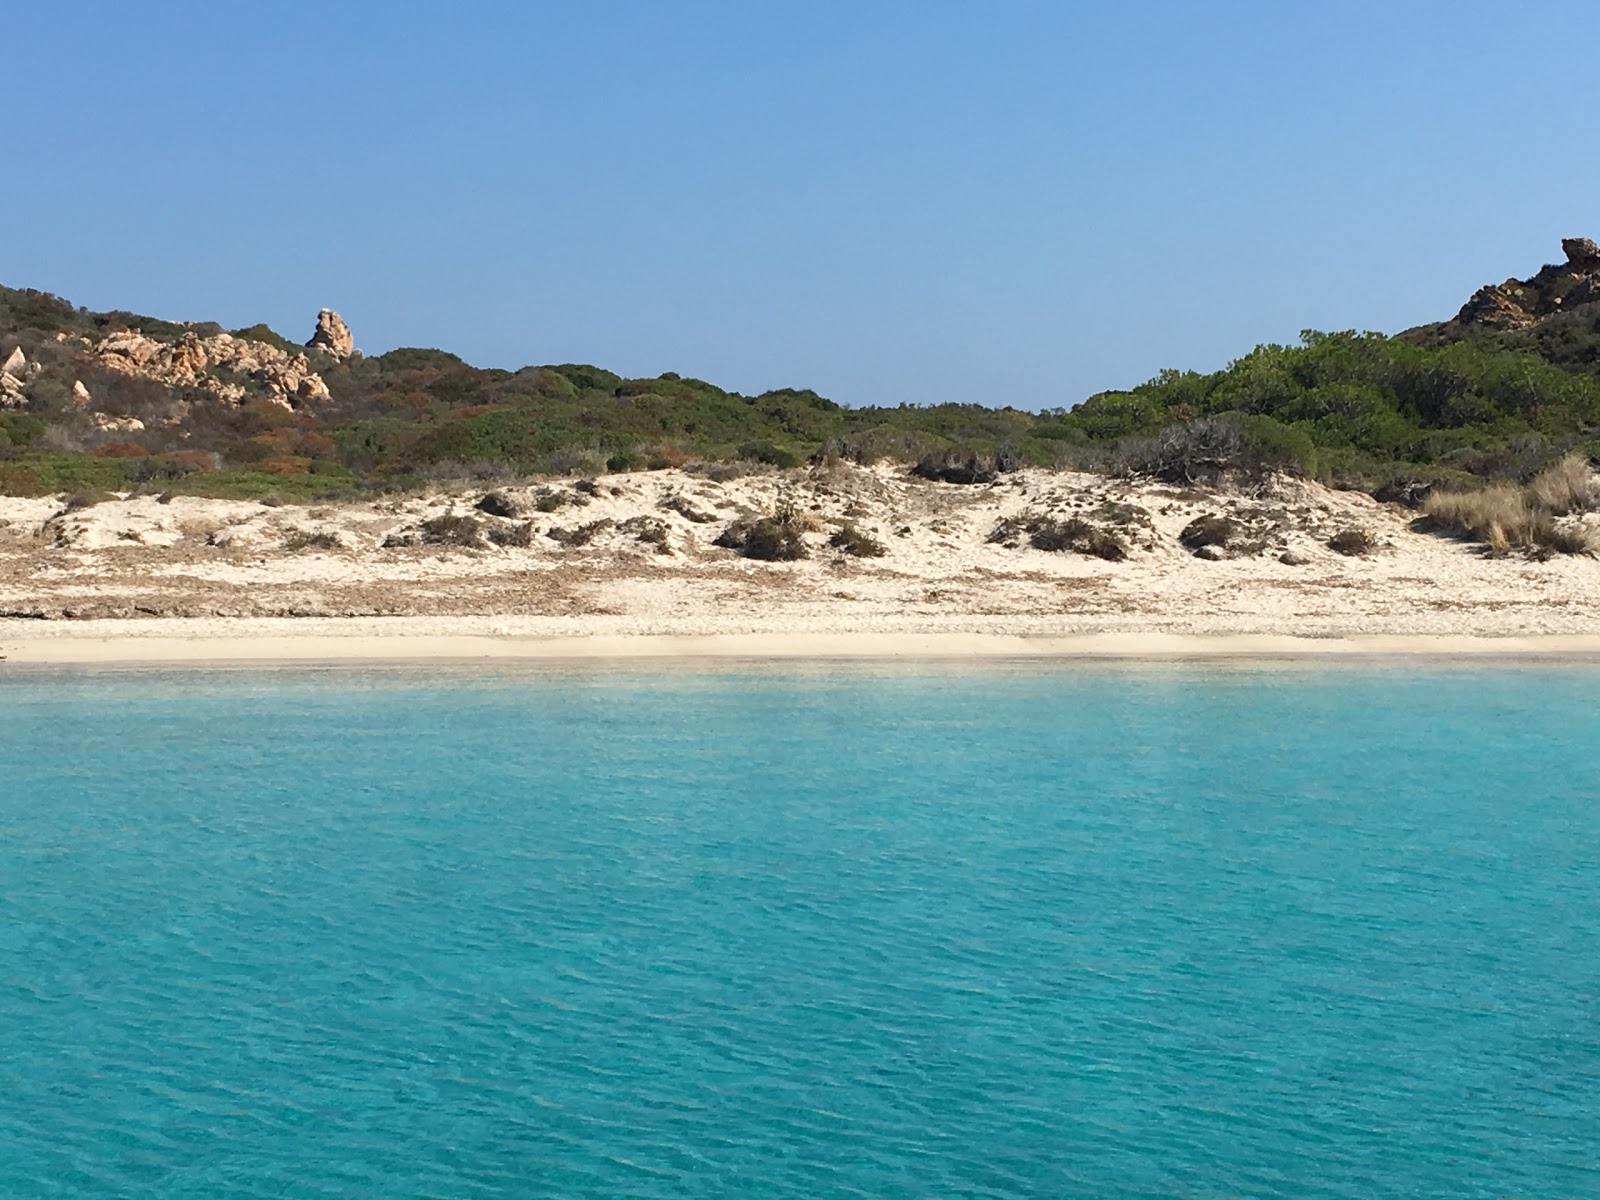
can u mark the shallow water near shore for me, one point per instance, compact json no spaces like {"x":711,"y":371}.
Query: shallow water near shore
{"x":930,"y":930}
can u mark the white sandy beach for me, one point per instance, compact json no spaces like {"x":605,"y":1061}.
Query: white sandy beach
{"x":257,"y":641}
{"x":140,"y":581}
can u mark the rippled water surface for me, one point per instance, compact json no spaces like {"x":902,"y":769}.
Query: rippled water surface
{"x":920,"y":932}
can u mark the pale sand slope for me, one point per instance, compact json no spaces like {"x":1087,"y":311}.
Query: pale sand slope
{"x":219,"y":580}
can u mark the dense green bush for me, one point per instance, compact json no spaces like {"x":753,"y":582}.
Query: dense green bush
{"x":1352,"y":409}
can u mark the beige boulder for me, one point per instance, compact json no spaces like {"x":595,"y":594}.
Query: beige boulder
{"x":106,"y":423}
{"x":14,"y":375}
{"x":333,"y":335}
{"x":287,"y":379}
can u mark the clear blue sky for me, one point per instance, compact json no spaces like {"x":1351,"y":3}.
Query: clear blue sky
{"x":1015,"y":203}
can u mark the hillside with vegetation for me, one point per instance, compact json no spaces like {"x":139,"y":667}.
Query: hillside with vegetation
{"x":119,"y":401}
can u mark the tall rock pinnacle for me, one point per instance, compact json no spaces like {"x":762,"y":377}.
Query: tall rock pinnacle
{"x":333,"y":335}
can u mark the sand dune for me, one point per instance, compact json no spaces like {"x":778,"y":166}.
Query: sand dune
{"x":191,"y":578}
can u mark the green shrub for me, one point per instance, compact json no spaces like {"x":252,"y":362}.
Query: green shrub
{"x":265,"y":333}
{"x":775,"y":538}
{"x":771,"y":454}
{"x":414,"y":358}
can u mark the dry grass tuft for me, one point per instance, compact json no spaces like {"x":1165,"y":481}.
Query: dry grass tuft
{"x":1505,"y":518}
{"x":857,"y":542}
{"x":1568,"y":486}
{"x":1501,"y":516}
{"x":311,"y":539}
{"x":1572,"y":537}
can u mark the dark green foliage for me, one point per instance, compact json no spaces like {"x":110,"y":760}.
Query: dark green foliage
{"x":1354,"y":408}
{"x":584,"y":378}
{"x":767,"y":452}
{"x":265,"y":333}
{"x":1351,"y":409}
{"x":955,"y":465}
{"x":25,"y":308}
{"x":20,"y":429}
{"x":412,"y":358}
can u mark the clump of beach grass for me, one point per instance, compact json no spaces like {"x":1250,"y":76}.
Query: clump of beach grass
{"x":1504,"y":517}
{"x":1567,"y":486}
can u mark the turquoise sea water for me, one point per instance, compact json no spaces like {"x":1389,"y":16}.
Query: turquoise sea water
{"x":920,"y":932}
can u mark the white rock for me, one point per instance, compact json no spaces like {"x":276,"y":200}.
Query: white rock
{"x":107,"y":423}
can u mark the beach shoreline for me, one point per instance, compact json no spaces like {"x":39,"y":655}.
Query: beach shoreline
{"x":464,"y":641}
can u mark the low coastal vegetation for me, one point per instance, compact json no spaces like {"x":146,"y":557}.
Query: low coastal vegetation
{"x":776,"y":537}
{"x":1536,"y":519}
{"x":95,"y":403}
{"x":1073,"y":535}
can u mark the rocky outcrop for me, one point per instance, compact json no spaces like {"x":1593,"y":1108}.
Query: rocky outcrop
{"x":206,"y":363}
{"x":1582,"y":254}
{"x":1520,"y":304}
{"x":106,"y":423}
{"x":333,"y":335}
{"x":15,"y":374}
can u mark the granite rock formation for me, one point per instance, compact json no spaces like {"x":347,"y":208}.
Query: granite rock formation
{"x":193,"y":361}
{"x":1521,"y":303}
{"x":333,"y":335}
